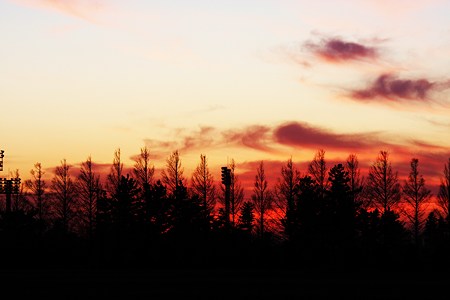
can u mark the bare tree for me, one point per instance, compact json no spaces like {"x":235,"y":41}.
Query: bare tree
{"x":172,"y":176}
{"x":64,"y":192}
{"x":318,"y":170}
{"x":143,"y":173}
{"x":36,"y":189}
{"x":236,"y":192}
{"x":262,"y":197}
{"x":115,"y":175}
{"x":203,"y":184}
{"x":143,"y":170}
{"x":356,"y":182}
{"x":285,"y":192}
{"x":89,"y":190}
{"x":443,"y":196}
{"x":416,"y":196}
{"x":383,"y":188}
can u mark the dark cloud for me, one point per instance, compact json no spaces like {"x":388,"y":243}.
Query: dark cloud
{"x":389,"y":87}
{"x":338,"y":50}
{"x":302,"y":134}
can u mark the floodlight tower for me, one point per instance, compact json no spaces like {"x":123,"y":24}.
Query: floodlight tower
{"x":8,"y":187}
{"x":1,"y":159}
{"x":226,"y":181}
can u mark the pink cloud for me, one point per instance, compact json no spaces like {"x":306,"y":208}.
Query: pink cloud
{"x":391,"y":88}
{"x":304,"y":135}
{"x":338,"y":50}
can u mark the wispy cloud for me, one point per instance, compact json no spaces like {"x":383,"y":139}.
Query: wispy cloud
{"x":203,"y":138}
{"x":439,"y":123}
{"x":255,"y":137}
{"x":184,"y":141}
{"x":208,"y":109}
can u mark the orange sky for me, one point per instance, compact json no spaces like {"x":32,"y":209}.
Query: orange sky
{"x":260,"y":80}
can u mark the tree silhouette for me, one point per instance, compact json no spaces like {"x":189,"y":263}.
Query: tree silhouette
{"x":416,"y":196}
{"x":125,"y":201}
{"x":306,"y":236}
{"x":443,"y":196}
{"x":356,"y":182}
{"x":185,"y":214}
{"x":203,"y":185}
{"x":19,"y":200}
{"x":64,"y":193}
{"x":107,"y":202}
{"x":236,"y":191}
{"x":143,"y":173}
{"x":434,"y":232}
{"x":123,"y":212}
{"x":339,"y":213}
{"x":188,"y":229}
{"x":115,"y":175}
{"x":393,"y":233}
{"x":318,"y":170}
{"x":383,"y":188}
{"x":246,"y":217}
{"x":142,"y":221}
{"x":143,"y":170}
{"x":262,"y":197}
{"x":36,"y":190}
{"x":158,"y":209}
{"x":285,"y":192}
{"x":89,"y":190}
{"x":172,"y":175}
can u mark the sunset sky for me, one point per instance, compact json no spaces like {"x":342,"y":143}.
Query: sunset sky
{"x":250,"y":80}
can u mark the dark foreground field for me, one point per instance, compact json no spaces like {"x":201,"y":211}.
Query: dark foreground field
{"x":218,"y":284}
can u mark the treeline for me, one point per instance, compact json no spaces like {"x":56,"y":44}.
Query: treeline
{"x":330,"y":217}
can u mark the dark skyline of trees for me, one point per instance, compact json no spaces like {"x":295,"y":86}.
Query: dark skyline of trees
{"x":328,"y":210}
{"x":382,"y":185}
{"x":381,"y":188}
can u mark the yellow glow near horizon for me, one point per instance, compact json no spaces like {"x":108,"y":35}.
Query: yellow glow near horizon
{"x":80,"y":80}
